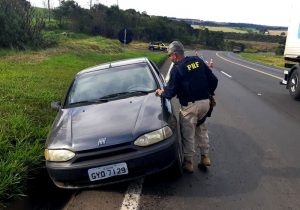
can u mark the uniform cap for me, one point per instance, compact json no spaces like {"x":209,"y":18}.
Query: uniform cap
{"x":176,"y":47}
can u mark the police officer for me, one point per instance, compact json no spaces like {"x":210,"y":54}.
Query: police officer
{"x":193,"y":82}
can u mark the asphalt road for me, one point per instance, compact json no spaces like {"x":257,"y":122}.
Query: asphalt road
{"x":255,"y":143}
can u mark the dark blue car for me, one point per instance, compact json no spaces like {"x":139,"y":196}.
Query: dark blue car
{"x":111,"y":127}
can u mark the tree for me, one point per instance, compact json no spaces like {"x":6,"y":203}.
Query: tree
{"x":21,"y":26}
{"x":71,"y":16}
{"x":108,"y":21}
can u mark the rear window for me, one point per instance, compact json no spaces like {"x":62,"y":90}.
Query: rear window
{"x":94,"y":85}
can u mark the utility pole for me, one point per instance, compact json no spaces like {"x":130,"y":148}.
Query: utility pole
{"x":125,"y":36}
{"x":49,"y":10}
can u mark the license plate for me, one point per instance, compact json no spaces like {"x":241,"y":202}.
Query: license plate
{"x":107,"y":171}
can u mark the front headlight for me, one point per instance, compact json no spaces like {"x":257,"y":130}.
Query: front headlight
{"x":58,"y":155}
{"x":154,"y":137}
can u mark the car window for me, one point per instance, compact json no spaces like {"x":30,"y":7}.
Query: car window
{"x":157,"y":71}
{"x":129,"y":78}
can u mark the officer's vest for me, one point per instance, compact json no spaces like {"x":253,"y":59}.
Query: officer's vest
{"x":193,"y":80}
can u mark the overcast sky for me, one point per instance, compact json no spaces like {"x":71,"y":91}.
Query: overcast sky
{"x":263,"y":12}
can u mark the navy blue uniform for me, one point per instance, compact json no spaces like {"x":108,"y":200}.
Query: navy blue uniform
{"x":191,"y":80}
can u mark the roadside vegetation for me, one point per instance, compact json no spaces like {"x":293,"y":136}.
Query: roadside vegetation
{"x":25,"y":27}
{"x":269,"y":59}
{"x":256,"y":46}
{"x":223,"y":29}
{"x":243,"y":30}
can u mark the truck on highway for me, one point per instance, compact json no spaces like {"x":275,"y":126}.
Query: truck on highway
{"x":292,"y":54}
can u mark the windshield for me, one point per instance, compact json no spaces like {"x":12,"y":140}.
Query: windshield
{"x":111,"y":82}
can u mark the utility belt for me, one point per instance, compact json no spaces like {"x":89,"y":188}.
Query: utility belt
{"x":191,"y":102}
{"x":212,"y":104}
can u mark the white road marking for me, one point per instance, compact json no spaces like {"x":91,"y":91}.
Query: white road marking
{"x":132,"y":196}
{"x":253,"y":69}
{"x":226,"y":74}
{"x":71,"y":200}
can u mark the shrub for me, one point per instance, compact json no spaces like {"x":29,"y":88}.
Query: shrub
{"x":21,"y":26}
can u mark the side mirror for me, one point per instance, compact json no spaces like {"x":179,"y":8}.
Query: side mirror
{"x":56,"y":105}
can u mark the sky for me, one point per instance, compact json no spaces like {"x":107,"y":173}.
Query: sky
{"x":262,"y":12}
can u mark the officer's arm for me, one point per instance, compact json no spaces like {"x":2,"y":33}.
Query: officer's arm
{"x":212,"y":80}
{"x":171,"y":89}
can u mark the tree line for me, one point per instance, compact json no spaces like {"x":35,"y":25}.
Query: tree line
{"x":22,"y":26}
{"x":108,"y":21}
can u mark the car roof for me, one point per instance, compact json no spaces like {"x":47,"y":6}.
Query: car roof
{"x":113,"y":64}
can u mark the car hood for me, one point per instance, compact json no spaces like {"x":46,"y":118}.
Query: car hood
{"x":105,"y":124}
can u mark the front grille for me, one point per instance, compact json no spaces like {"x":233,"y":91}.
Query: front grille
{"x":101,"y":153}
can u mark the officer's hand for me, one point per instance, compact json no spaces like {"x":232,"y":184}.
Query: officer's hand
{"x":158,"y":92}
{"x":212,"y":101}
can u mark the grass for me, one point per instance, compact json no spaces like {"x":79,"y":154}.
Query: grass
{"x":29,"y":81}
{"x":227,"y":29}
{"x":273,"y":60}
{"x":277,"y":32}
{"x":255,"y":46}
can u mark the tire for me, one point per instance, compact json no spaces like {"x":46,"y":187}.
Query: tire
{"x":294,"y":85}
{"x":176,"y":169}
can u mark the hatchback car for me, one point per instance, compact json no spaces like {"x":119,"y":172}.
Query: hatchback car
{"x":111,"y":127}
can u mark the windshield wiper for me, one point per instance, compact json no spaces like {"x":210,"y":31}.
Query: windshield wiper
{"x":114,"y":95}
{"x":90,"y":101}
{"x":142,"y":91}
{"x":127,"y":93}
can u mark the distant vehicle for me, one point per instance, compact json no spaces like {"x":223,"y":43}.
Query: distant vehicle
{"x":157,"y":46}
{"x":111,"y":127}
{"x":237,"y":49}
{"x":292,"y":54}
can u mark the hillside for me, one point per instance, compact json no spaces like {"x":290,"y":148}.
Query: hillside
{"x":231,"y":25}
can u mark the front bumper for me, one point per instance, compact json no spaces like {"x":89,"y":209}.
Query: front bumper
{"x":140,"y":162}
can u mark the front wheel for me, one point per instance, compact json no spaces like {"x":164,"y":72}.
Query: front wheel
{"x":294,"y":86}
{"x":176,"y":169}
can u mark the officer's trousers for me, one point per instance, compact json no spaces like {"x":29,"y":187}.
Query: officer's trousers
{"x":191,"y":134}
